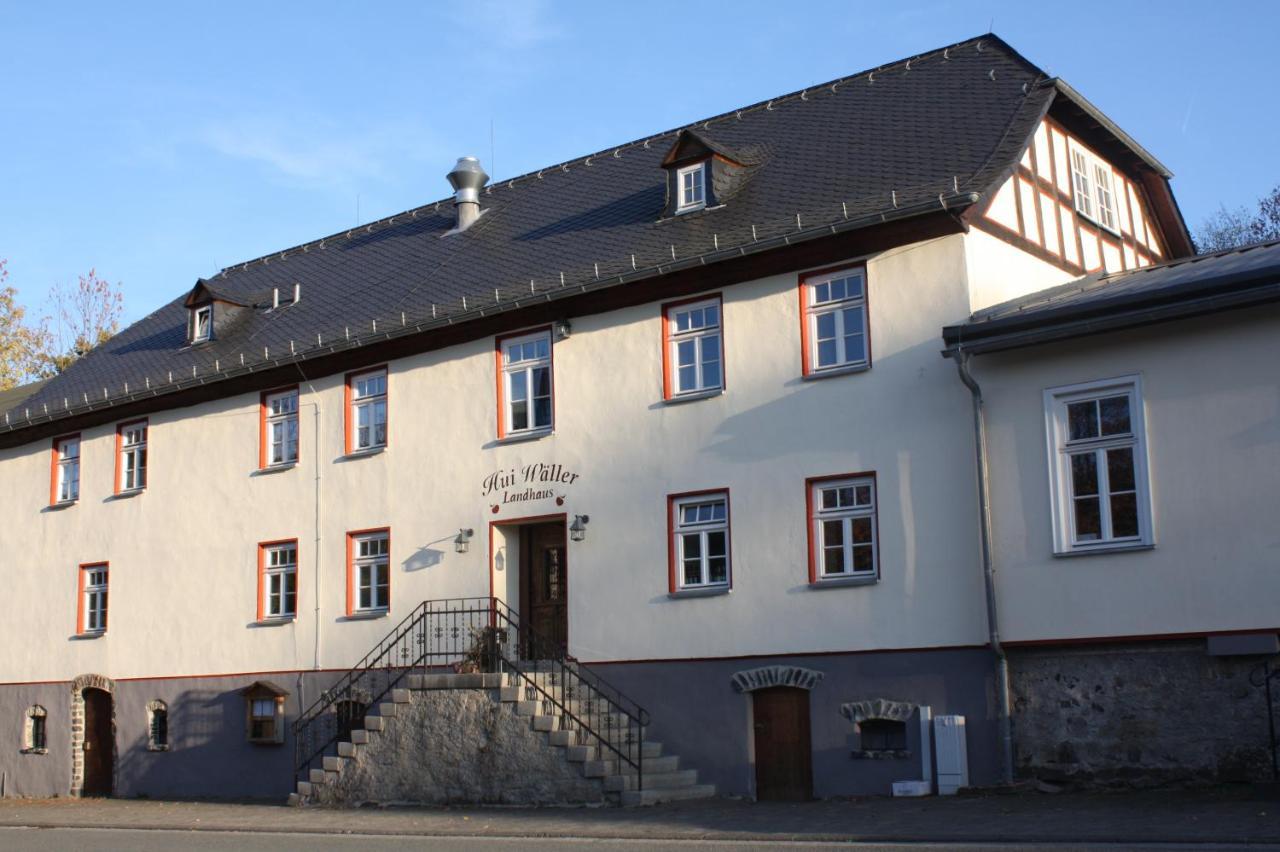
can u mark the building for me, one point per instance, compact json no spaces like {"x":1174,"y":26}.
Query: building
{"x":676,"y":407}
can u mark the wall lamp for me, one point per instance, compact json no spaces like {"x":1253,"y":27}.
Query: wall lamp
{"x":578,"y":529}
{"x":462,"y":541}
{"x":562,"y":329}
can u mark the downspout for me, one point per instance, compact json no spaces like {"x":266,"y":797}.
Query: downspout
{"x":988,"y":571}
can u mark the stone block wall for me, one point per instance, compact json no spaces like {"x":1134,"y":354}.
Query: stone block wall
{"x":1137,"y":715}
{"x":459,"y":746}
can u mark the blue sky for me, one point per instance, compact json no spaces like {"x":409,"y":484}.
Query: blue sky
{"x":160,"y":142}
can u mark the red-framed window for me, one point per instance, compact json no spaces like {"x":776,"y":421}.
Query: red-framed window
{"x":91,"y":598}
{"x":693,"y":347}
{"x":844,"y":535}
{"x":524,"y":364}
{"x":369,"y":571}
{"x":278,"y":428}
{"x":366,"y":418}
{"x":132,"y":454}
{"x":278,"y":580}
{"x":835,"y":326}
{"x":699,"y":542}
{"x":64,"y":470}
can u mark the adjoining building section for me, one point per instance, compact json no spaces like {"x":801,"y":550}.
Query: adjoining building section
{"x":641,"y":478}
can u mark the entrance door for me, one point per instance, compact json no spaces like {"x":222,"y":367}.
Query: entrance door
{"x":544,"y":586}
{"x":98,"y":743}
{"x":783,"y":750}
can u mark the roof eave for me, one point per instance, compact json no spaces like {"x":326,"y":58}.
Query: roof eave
{"x":1069,"y":92}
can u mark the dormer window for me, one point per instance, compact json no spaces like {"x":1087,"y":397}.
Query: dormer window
{"x":201,"y":323}
{"x":692,"y":183}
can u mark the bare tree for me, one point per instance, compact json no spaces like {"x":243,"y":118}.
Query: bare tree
{"x":85,"y":316}
{"x":1228,"y":229}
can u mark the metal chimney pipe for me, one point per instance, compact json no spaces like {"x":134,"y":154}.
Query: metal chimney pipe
{"x":467,"y":178}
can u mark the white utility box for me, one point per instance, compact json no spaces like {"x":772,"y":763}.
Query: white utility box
{"x":953,"y":755}
{"x":912,"y":788}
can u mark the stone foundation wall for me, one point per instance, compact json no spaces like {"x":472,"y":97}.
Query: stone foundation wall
{"x":1137,"y":715}
{"x":459,"y":746}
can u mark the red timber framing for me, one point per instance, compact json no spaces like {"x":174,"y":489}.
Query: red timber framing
{"x":1135,"y":245}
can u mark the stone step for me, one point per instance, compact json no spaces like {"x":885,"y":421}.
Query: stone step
{"x":400,"y":696}
{"x":657,"y":795}
{"x":388,"y":709}
{"x":346,"y":749}
{"x":588,"y":751}
{"x":527,"y":708}
{"x":652,"y":781}
{"x":304,"y":788}
{"x":474,"y":680}
{"x":511,"y":693}
{"x":546,"y":723}
{"x":333,"y":763}
{"x":563,"y":739}
{"x":316,"y":776}
{"x":294,"y":801}
{"x":359,"y":736}
{"x":374,"y":723}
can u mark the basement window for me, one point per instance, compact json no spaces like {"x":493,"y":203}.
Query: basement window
{"x":264,"y":713}
{"x":35,"y":740}
{"x":157,"y":726}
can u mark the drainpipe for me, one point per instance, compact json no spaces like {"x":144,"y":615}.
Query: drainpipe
{"x":988,"y":571}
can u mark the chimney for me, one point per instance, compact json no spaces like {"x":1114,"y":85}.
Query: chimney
{"x":466,"y":179}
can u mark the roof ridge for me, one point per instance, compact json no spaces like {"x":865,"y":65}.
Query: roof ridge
{"x":765,"y":105}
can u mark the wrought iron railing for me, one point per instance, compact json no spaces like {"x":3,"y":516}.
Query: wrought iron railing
{"x":478,"y":635}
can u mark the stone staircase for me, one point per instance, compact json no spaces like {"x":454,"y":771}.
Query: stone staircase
{"x":526,"y":710}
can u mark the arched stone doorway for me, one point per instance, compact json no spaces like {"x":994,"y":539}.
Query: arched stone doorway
{"x":93,"y":740}
{"x":783,"y":747}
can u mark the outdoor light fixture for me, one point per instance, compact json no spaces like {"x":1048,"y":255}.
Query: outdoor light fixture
{"x":462,"y":541}
{"x":578,"y":529}
{"x":563,"y":329}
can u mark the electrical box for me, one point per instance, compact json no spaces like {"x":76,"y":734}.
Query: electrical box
{"x":949,"y":742}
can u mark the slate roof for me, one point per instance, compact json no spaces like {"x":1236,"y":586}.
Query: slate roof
{"x":1105,"y":302}
{"x":940,"y":130}
{"x":13,"y":397}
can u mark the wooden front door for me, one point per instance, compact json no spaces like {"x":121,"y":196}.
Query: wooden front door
{"x":783,"y":750}
{"x":99,"y":750}
{"x":544,"y":586}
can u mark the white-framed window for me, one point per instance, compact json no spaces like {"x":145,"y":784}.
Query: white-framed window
{"x":281,"y":428}
{"x":526,"y":383}
{"x":67,"y":473}
{"x":280,"y":580}
{"x":695,"y":347}
{"x":1098,"y":466}
{"x":93,"y":579}
{"x":133,"y":456}
{"x":844,"y":528}
{"x":691,"y":184}
{"x":368,"y":410}
{"x":201,"y":323}
{"x":370,"y":571}
{"x":700,"y":532}
{"x":836,"y":317}
{"x":1094,"y":194}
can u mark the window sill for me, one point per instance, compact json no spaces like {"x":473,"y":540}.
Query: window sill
{"x":261,"y":742}
{"x":35,"y":751}
{"x":275,"y":621}
{"x":880,"y":754}
{"x":700,"y":593}
{"x":693,"y":396}
{"x":1125,"y":547}
{"x":90,"y":634}
{"x":835,"y":371}
{"x":61,"y":504}
{"x":274,"y":468}
{"x":125,"y":495}
{"x":689,"y":211}
{"x":365,"y":453}
{"x":366,"y":615}
{"x":520,"y":437}
{"x":1115,"y":232}
{"x":836,"y":582}
{"x":157,"y":748}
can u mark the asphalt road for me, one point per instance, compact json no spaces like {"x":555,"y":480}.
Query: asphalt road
{"x":135,"y":840}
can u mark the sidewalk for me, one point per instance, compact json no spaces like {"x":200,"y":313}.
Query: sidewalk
{"x":1226,"y":814}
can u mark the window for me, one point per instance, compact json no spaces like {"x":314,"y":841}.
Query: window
{"x":699,"y":542}
{"x":882,"y":735}
{"x":842,"y":528}
{"x":524,"y":388}
{"x":34,"y":737}
{"x":131,"y":464}
{"x":1094,"y":196}
{"x":264,"y":712}
{"x":279,"y":429}
{"x":366,"y":411}
{"x":157,"y":726}
{"x":691,"y":183}
{"x":93,"y":599}
{"x":65,"y":487}
{"x":201,"y":323}
{"x":1098,"y":466}
{"x":835,"y":320}
{"x":694,"y":351}
{"x":277,"y":580}
{"x":369,"y":571}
